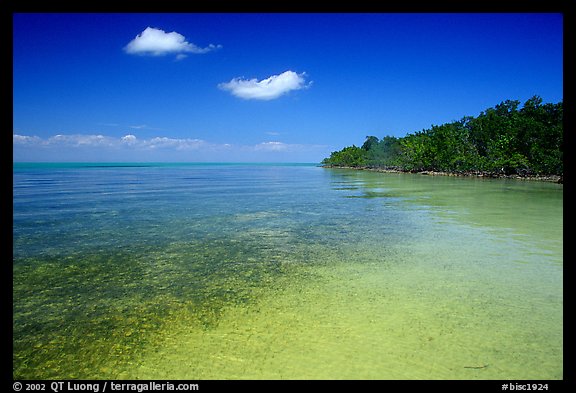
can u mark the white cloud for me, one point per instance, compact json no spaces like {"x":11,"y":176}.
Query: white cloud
{"x":24,"y":139}
{"x":273,"y":146}
{"x":175,"y":143}
{"x":157,"y":42}
{"x":89,"y":140}
{"x":94,"y":147}
{"x":129,"y":139}
{"x":266,"y":89}
{"x":80,"y":140}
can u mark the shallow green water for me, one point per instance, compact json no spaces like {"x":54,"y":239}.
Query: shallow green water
{"x":284,"y":272}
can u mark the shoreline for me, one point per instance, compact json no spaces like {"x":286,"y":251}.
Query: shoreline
{"x":490,"y":175}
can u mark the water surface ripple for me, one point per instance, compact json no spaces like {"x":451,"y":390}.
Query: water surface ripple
{"x":223,"y":271}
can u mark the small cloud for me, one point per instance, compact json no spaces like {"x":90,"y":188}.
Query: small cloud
{"x":174,"y":143}
{"x":292,"y":148}
{"x":266,"y":89}
{"x":25,"y":139}
{"x":272,"y":146}
{"x":80,"y":140}
{"x":129,"y":139}
{"x":157,"y":42}
{"x":144,"y":127}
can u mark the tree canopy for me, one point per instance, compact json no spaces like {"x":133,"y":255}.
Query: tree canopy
{"x":503,"y":140}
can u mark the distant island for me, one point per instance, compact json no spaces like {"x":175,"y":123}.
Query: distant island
{"x":503,"y":141}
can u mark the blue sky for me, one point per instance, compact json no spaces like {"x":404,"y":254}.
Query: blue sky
{"x":263,"y":87}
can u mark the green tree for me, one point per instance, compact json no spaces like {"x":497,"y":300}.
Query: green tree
{"x":503,"y":139}
{"x":370,"y":142}
{"x":417,"y":151}
{"x":387,"y":152}
{"x":351,"y":156}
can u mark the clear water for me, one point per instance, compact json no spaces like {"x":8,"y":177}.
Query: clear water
{"x":220,"y":271}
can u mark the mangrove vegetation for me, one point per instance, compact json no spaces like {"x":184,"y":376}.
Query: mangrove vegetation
{"x":503,"y":140}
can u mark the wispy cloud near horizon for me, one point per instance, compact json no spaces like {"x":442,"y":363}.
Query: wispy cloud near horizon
{"x":98,"y":140}
{"x":117,"y":148}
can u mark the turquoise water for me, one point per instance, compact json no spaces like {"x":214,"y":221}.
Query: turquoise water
{"x":261,"y":271}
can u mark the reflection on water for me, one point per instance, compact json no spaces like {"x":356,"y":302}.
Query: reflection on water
{"x":283,"y":272}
